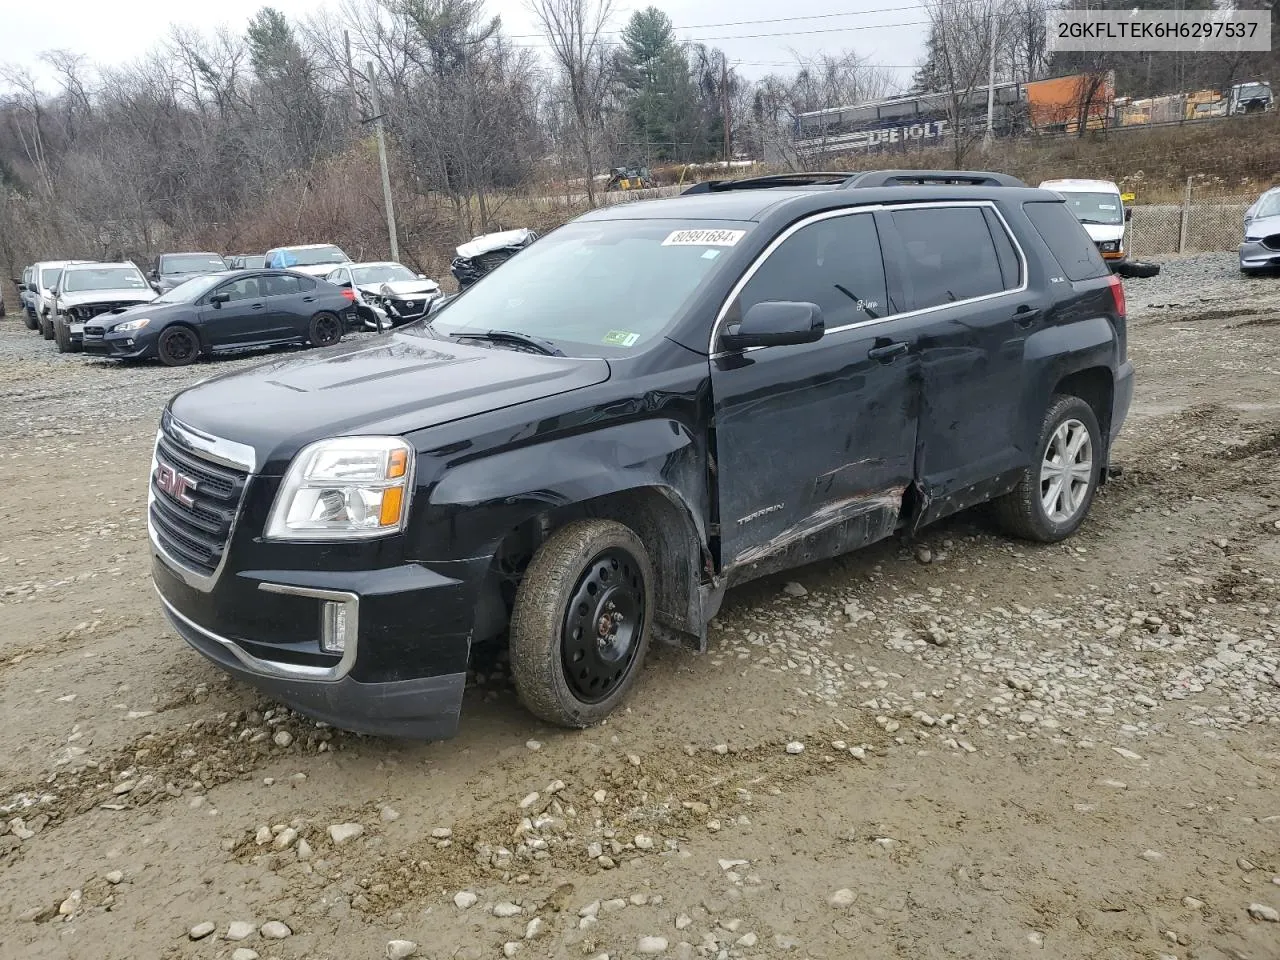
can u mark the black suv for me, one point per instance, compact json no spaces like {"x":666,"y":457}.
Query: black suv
{"x":649,"y":405}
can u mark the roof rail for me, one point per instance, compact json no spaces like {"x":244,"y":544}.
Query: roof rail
{"x":799,"y":179}
{"x":894,"y":178}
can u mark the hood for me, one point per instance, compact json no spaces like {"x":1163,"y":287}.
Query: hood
{"x":393,"y":385}
{"x":320,"y":270}
{"x":1263,"y":226}
{"x":125,"y":294}
{"x":402,"y":288}
{"x":160,"y":313}
{"x":496,"y":241}
{"x":1101,"y":232}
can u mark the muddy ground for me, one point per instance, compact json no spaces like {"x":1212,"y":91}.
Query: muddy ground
{"x":1008,"y":750}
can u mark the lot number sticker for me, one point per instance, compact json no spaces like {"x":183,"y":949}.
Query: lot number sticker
{"x":621,"y":338}
{"x":704,"y":238}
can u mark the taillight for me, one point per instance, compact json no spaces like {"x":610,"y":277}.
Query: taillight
{"x":351,"y":295}
{"x":1117,"y":295}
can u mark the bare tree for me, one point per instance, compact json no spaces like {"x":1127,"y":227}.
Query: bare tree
{"x":575,"y":31}
{"x":962,"y":36}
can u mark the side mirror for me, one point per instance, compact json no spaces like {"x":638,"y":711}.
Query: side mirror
{"x":422,"y":276}
{"x":775,"y":323}
{"x":1128,"y":214}
{"x":218,"y":299}
{"x":32,"y":288}
{"x":155,"y":274}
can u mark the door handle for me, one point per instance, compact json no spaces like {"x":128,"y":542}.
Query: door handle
{"x":256,"y":306}
{"x":1026,"y":316}
{"x":308,"y":299}
{"x":887,"y":352}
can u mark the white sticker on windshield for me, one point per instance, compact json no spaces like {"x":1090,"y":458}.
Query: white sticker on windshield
{"x":704,"y":238}
{"x":1106,"y":206}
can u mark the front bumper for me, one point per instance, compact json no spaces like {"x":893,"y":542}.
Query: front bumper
{"x":403,"y":668}
{"x":1255,"y":255}
{"x":425,"y":708}
{"x":119,"y":346}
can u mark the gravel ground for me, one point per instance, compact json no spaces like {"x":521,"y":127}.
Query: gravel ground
{"x":963,"y":746}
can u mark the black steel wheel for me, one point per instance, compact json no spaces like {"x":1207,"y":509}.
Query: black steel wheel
{"x":325,"y":330}
{"x":581,"y":622}
{"x":178,"y":346}
{"x":46,"y":326}
{"x":62,"y":335}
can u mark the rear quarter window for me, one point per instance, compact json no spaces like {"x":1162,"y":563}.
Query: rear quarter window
{"x":1066,"y":239}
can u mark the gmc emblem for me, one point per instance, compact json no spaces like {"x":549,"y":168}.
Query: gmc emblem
{"x":175,"y":484}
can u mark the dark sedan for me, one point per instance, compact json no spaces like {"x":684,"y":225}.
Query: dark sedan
{"x":228,"y":311}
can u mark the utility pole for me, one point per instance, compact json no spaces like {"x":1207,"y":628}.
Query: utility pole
{"x":724,"y":107}
{"x":991,"y":82}
{"x":382,"y":162}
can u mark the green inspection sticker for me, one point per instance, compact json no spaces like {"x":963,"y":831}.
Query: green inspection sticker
{"x":621,"y":338}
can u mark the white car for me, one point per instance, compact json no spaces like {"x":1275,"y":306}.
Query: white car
{"x":1099,"y":208}
{"x":44,"y":277}
{"x":387,"y":294}
{"x":313,"y":259}
{"x":86,"y":290}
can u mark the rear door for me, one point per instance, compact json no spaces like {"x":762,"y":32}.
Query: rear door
{"x":814,"y":441}
{"x":288,"y":305}
{"x":967,"y":282}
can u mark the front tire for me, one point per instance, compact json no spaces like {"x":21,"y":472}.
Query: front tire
{"x":46,"y":326}
{"x":581,"y":622}
{"x":62,"y":336}
{"x":29,"y":319}
{"x":178,"y":346}
{"x":1055,"y":492}
{"x":325,"y":330}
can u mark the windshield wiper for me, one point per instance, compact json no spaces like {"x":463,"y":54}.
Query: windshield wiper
{"x":513,"y":336}
{"x":1100,"y":223}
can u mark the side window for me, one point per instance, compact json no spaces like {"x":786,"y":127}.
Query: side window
{"x":1066,"y":239}
{"x":279,"y":286}
{"x":246,"y":288}
{"x":950,"y":255}
{"x":1010,"y":267}
{"x":305,"y":284}
{"x":835,"y":263}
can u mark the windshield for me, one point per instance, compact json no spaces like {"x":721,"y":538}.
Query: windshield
{"x":598,"y":288}
{"x":1096,"y":207}
{"x":189,"y":290}
{"x":382,"y":273}
{"x":1254,"y":90}
{"x":103,"y":278}
{"x":308,"y":257}
{"x":252,"y":263}
{"x":1268,"y":206}
{"x":49,"y":278}
{"x":192,"y":263}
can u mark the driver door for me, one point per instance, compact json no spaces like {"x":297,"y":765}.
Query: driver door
{"x":242,"y":319}
{"x":815,"y":442}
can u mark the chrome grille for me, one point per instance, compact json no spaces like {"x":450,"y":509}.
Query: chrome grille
{"x":194,"y":534}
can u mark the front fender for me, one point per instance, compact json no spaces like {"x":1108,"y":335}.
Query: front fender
{"x":473,"y":506}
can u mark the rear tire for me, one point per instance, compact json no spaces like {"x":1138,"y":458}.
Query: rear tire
{"x":178,"y":347}
{"x":325,"y":330}
{"x":1054,"y":494}
{"x":581,"y":622}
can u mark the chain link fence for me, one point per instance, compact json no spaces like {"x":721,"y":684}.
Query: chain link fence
{"x":1209,"y":218}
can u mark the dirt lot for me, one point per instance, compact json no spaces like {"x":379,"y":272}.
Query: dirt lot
{"x":1007,"y":750}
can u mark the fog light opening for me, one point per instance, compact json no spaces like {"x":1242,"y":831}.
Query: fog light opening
{"x":333,"y":627}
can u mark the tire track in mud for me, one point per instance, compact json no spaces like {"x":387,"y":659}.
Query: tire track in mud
{"x":665,"y":800}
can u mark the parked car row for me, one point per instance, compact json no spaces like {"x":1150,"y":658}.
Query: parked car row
{"x":201,"y":303}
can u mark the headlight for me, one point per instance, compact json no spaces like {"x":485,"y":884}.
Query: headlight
{"x":130,"y":325}
{"x":344,"y":488}
{"x":1111,"y":246}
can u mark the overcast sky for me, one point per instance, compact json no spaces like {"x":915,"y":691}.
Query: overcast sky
{"x":887,"y":31}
